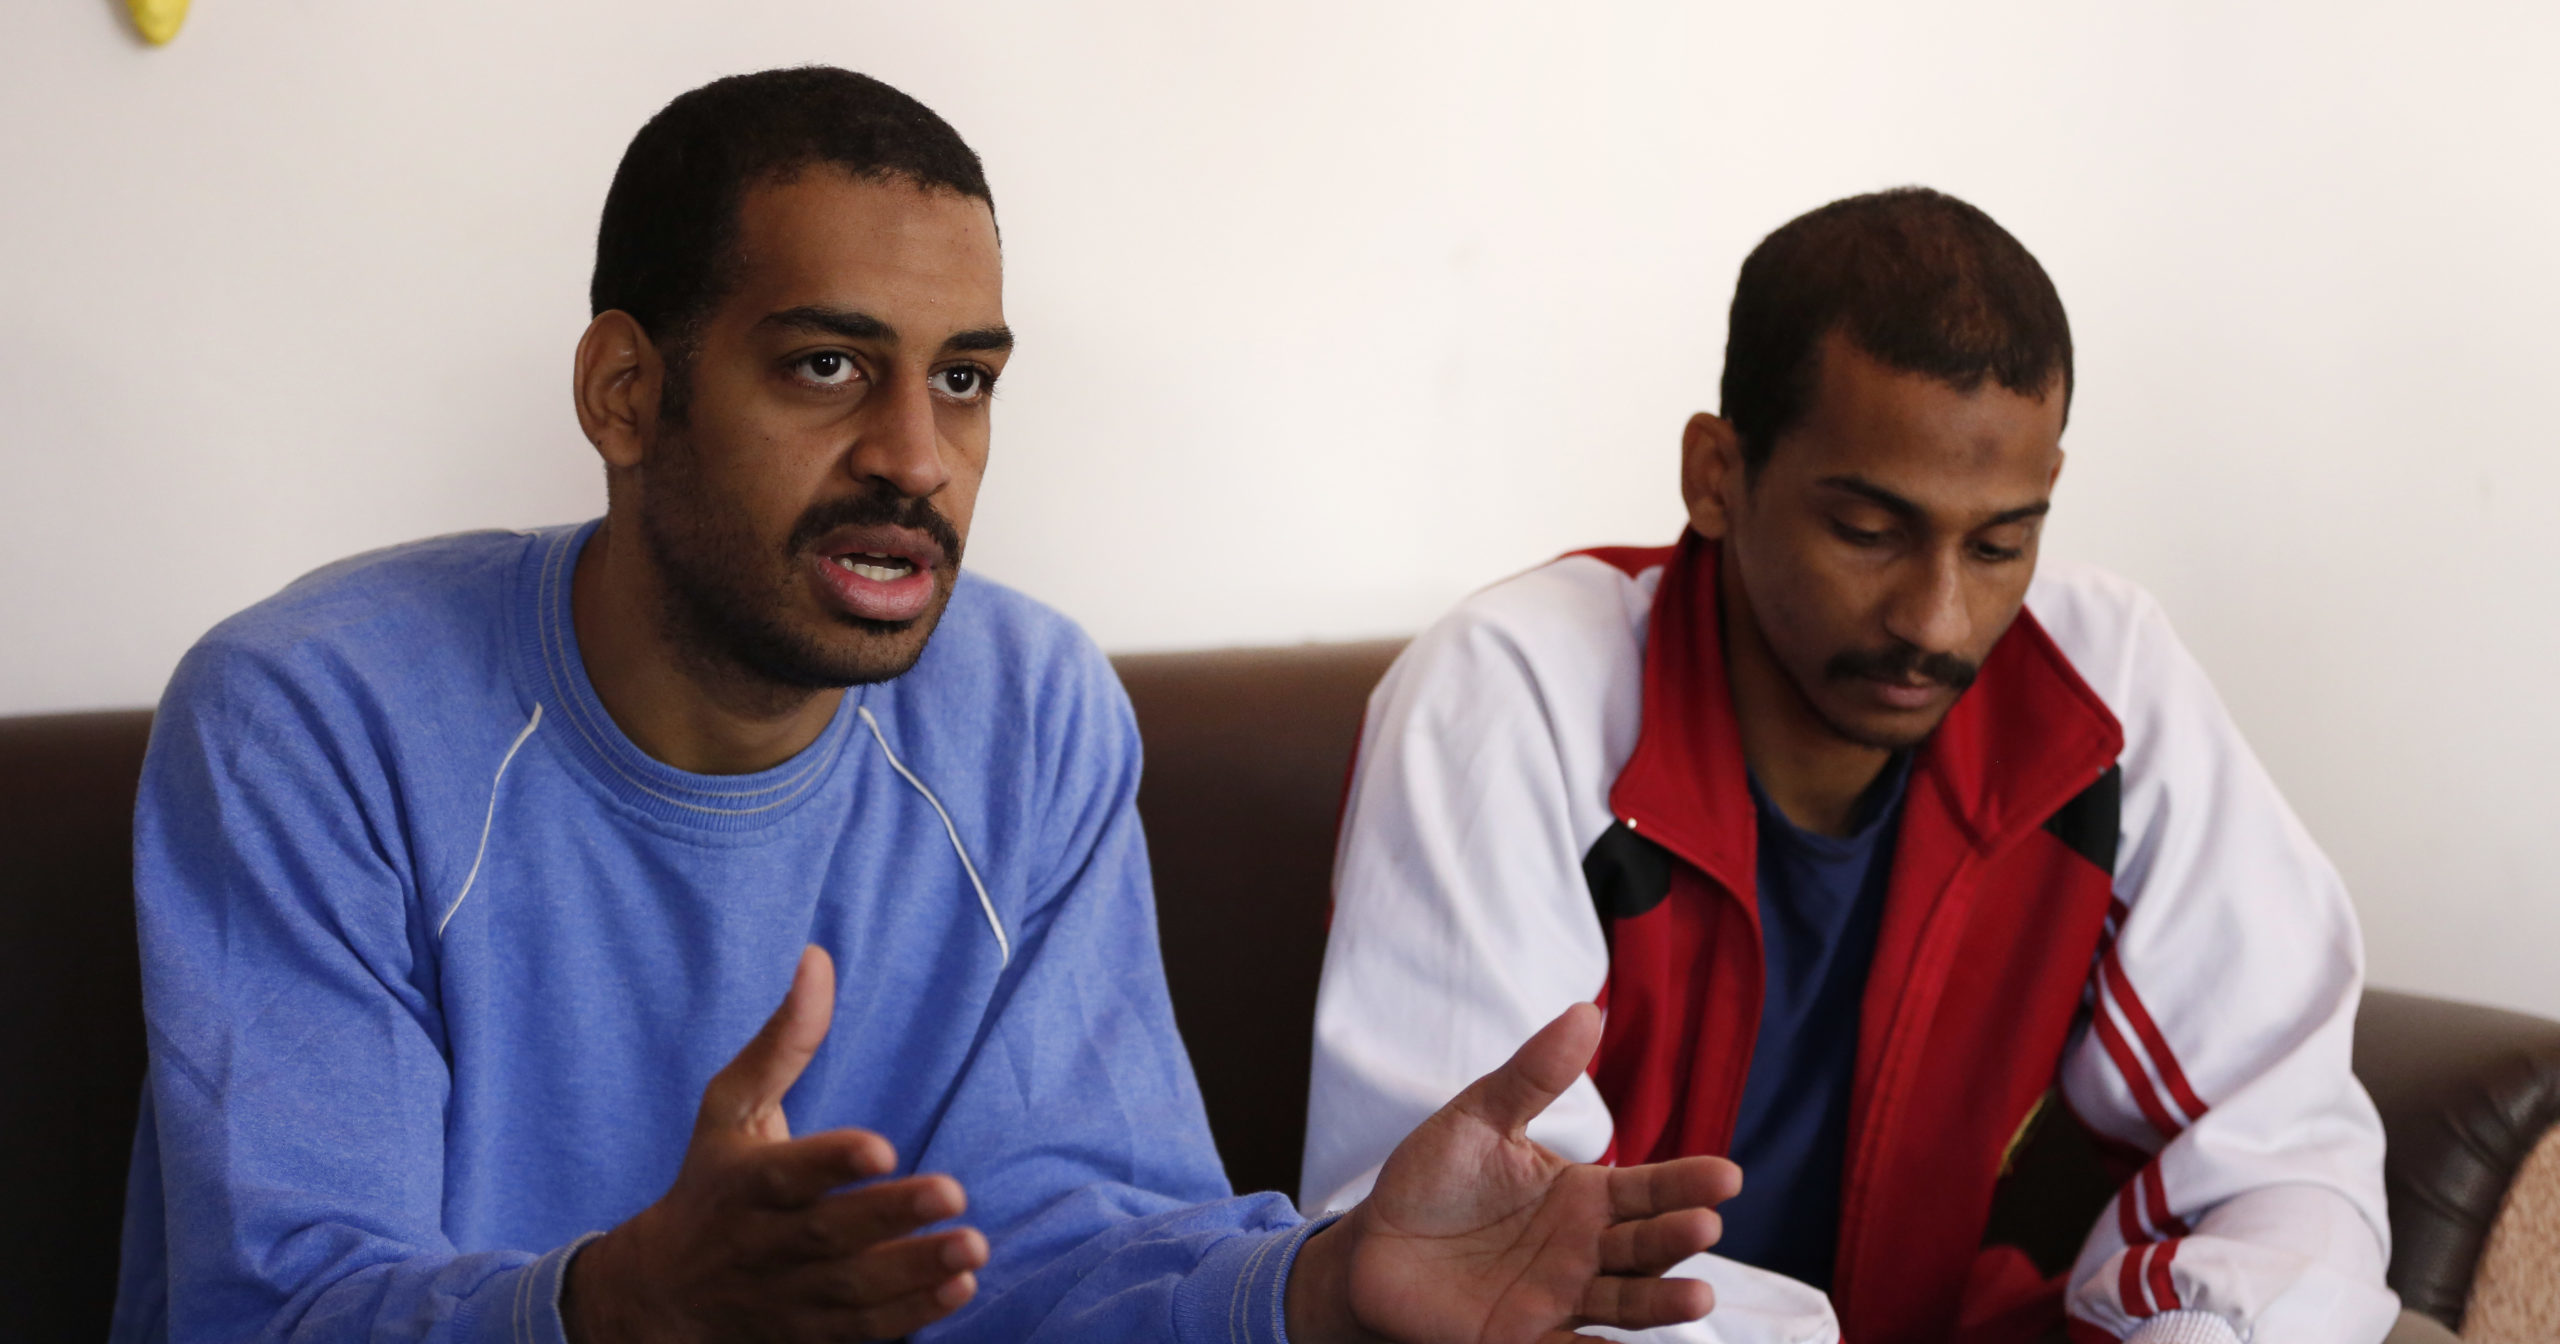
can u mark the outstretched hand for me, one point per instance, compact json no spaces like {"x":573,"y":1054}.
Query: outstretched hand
{"x":1476,"y":1235}
{"x":758,"y":1239}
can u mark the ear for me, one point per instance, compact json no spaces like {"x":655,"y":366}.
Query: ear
{"x":1710,"y":474}
{"x":616,"y":386}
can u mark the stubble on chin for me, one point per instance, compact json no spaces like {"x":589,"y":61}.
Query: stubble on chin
{"x":737,"y":613}
{"x":1879,"y":738}
{"x":1899,"y":733}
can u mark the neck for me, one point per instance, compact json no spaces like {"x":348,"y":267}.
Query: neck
{"x":1813,"y":775}
{"x":692,"y":711}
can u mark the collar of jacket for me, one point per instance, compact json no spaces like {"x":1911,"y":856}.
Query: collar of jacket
{"x":2019,"y":743}
{"x":2025,"y":739}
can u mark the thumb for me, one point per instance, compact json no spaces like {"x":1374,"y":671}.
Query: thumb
{"x":746,"y":1095}
{"x":1536,"y":1074}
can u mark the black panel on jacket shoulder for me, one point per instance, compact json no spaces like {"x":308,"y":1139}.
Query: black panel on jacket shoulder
{"x":1627,"y":873}
{"x":2091,"y":822}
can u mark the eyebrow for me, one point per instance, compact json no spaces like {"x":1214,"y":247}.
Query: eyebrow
{"x":1909,"y":511}
{"x":845,"y":322}
{"x":854,"y":325}
{"x":983,"y":339}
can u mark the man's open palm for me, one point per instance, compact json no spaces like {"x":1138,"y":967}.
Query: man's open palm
{"x":1476,"y":1235}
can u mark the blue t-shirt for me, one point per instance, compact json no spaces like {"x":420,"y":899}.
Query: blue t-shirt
{"x":436,"y":962}
{"x":1821,"y":902}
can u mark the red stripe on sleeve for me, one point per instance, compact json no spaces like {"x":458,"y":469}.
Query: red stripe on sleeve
{"x":2152,"y":1040}
{"x":2135,"y":1080}
{"x":2129,"y":1285}
{"x":2164,"y":1292}
{"x":2155,"y":1205}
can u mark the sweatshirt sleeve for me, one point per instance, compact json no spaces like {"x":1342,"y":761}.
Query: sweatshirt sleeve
{"x":1462,"y":922}
{"x":2222,"y":1009}
{"x":1076,"y":1126}
{"x":294,"y":1107}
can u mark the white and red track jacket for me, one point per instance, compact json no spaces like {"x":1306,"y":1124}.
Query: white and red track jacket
{"x":2096,"y":890}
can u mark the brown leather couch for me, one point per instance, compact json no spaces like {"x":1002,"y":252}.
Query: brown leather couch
{"x":1246,"y":757}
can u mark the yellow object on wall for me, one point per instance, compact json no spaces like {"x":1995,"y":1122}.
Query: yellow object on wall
{"x":158,"y":19}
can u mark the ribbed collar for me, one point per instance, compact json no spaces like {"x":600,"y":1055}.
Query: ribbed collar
{"x":555,"y":674}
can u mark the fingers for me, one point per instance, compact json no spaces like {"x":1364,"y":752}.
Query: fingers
{"x":747,"y":1093}
{"x":901,"y":1286}
{"x":1661,"y":1187}
{"x":1652,"y":1245}
{"x":905,"y":1315}
{"x":1642,"y":1303}
{"x":803,"y":1171}
{"x":855,"y":1220}
{"x":900,"y":1269}
{"x":1536,"y":1074}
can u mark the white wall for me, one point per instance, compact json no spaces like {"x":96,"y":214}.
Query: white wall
{"x":1335,"y":311}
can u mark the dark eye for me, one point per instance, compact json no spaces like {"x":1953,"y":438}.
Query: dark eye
{"x":827,"y":368}
{"x":1989,"y":553}
{"x":963,"y":382}
{"x":1856,"y":536}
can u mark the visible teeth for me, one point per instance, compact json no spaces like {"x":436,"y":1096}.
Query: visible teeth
{"x":890,"y":568}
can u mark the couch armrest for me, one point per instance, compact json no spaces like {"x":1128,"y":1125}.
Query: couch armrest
{"x":2414,"y":1328}
{"x":2516,"y":1297}
{"x":2466,"y":1093}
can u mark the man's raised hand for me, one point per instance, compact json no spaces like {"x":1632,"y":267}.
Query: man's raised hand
{"x":757,"y":1239}
{"x":1476,"y":1235}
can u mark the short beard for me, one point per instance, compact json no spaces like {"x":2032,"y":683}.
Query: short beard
{"x":724,"y":596}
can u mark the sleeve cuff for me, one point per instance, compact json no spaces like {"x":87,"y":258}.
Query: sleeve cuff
{"x":535,"y":1314}
{"x":2184,"y":1327}
{"x":1239,"y":1292}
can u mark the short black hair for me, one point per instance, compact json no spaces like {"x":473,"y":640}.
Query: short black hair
{"x":666,"y":243}
{"x":1919,"y":280}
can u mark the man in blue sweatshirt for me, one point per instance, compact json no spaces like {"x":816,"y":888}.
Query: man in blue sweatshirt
{"x":470,"y":873}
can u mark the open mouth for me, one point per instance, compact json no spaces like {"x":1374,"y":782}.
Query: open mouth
{"x":875,"y":566}
{"x":877,"y":574}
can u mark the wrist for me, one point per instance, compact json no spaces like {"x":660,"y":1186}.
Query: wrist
{"x":1319,"y":1292}
{"x":595,"y":1302}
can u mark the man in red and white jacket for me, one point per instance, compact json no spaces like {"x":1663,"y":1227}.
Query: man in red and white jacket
{"x":1878,"y":846}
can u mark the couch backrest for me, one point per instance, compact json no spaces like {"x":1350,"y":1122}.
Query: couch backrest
{"x":1247,"y":754}
{"x":70,"y":1015}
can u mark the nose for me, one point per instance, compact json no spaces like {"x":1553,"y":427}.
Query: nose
{"x":897,"y":441}
{"x":1928,"y":610}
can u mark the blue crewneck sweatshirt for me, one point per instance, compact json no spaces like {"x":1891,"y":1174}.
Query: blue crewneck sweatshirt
{"x":436,"y":964}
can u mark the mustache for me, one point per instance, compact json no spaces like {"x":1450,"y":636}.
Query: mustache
{"x":1902,"y":662}
{"x":875,"y":508}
